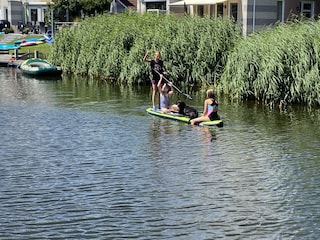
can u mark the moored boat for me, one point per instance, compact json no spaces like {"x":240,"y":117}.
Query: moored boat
{"x":39,"y":67}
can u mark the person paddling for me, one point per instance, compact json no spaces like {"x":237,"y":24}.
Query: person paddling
{"x":157,"y":69}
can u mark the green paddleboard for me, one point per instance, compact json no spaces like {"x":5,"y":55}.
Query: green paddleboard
{"x":181,"y":118}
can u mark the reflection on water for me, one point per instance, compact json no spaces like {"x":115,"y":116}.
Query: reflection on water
{"x":81,"y":159}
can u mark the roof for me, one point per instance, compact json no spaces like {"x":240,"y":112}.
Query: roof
{"x":131,"y":4}
{"x":196,"y":2}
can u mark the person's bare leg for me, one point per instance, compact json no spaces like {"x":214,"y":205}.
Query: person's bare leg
{"x":154,"y":92}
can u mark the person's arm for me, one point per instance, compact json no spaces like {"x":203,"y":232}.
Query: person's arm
{"x":163,"y":87}
{"x":145,"y":58}
{"x":171,"y":92}
{"x":205,"y":107}
{"x":164,"y":70}
{"x":160,"y":81}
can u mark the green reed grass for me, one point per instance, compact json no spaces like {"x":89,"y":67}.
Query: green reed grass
{"x":112,"y":47}
{"x":281,"y":63}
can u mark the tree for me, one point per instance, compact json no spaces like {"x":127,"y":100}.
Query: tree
{"x":90,"y":6}
{"x":66,"y":4}
{"x":66,"y":8}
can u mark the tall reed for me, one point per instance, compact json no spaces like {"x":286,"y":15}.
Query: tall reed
{"x":112,"y":46}
{"x":279,"y":64}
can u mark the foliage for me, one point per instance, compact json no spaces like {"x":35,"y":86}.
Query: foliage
{"x":7,"y":30}
{"x":280,"y":64}
{"x":112,"y":46}
{"x":64,"y":10}
{"x":66,"y":4}
{"x":75,"y":6}
{"x":26,"y":30}
{"x":95,"y":5}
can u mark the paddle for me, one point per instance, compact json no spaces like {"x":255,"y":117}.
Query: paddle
{"x":185,"y":94}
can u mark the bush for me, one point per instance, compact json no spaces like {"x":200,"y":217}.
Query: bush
{"x":25,"y":30}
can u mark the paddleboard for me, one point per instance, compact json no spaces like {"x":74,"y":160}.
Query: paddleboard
{"x":181,"y":118}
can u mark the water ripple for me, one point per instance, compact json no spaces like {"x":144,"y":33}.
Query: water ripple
{"x":75,"y":170}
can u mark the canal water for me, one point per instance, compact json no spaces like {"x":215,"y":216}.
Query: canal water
{"x":81,"y":159}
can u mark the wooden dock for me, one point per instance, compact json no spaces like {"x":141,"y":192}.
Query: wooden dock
{"x":16,"y":58}
{"x":6,"y":60}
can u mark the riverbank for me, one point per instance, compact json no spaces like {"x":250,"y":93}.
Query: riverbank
{"x":270,"y":67}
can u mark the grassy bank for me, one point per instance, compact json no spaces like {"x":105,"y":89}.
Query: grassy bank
{"x":43,"y":49}
{"x":112,"y":47}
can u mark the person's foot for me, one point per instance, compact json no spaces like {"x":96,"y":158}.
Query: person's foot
{"x":154,"y":108}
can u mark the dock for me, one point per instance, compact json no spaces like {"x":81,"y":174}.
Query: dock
{"x":17,"y":57}
{"x":6,"y":60}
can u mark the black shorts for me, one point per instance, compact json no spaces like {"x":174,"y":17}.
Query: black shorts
{"x":155,"y":81}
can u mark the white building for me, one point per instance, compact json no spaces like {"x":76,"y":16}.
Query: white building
{"x":25,"y":11}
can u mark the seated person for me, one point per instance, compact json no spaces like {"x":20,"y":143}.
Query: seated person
{"x":166,"y":93}
{"x":210,"y":109}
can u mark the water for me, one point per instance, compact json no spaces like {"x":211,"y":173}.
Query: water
{"x":81,"y":159}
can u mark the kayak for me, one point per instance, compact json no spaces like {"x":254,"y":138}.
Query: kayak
{"x":26,"y":40}
{"x":6,"y":47}
{"x":182,"y":118}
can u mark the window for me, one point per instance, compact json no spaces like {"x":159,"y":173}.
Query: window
{"x":212,"y":9}
{"x":200,"y":10}
{"x":234,"y":11}
{"x":220,"y":9}
{"x":280,"y":9}
{"x":44,"y":16}
{"x":156,"y":5}
{"x":34,"y":16}
{"x":307,"y":9}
